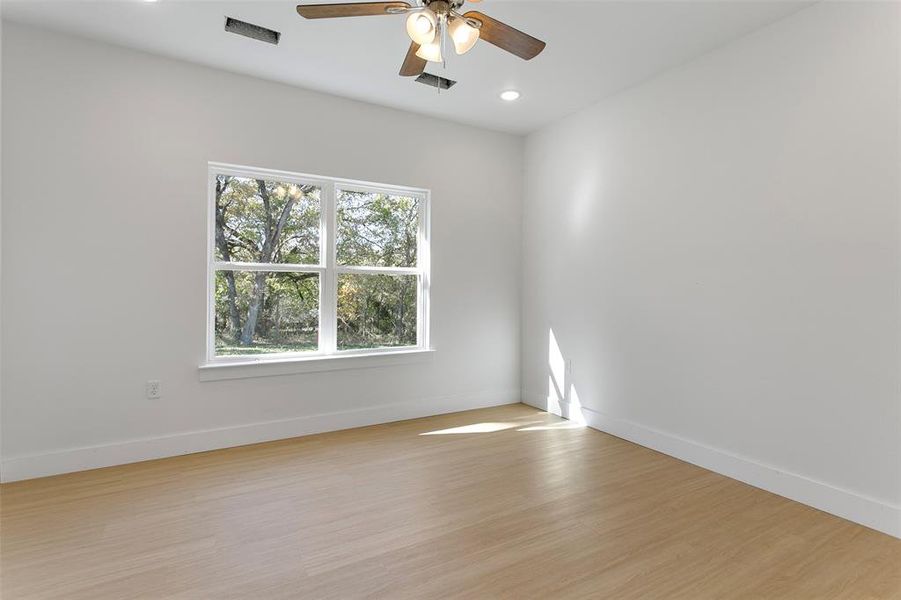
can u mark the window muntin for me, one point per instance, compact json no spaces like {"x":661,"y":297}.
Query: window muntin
{"x":305,"y":266}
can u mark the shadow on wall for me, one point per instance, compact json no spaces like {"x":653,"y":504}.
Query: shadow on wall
{"x":562,"y":397}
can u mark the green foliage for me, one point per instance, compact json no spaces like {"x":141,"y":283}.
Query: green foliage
{"x":377,"y":230}
{"x":252,"y":210}
{"x":261,"y":221}
{"x":288,"y":319}
{"x":376,"y":311}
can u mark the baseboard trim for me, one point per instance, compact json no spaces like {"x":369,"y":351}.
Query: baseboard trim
{"x":860,"y":509}
{"x":17,"y":468}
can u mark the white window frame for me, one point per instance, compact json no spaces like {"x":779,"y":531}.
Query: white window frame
{"x":328,"y":270}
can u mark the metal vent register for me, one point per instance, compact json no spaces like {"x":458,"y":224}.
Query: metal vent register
{"x":435,"y":81}
{"x":252,"y":31}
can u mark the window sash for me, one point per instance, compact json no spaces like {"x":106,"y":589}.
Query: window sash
{"x":328,"y":268}
{"x":220,"y":265}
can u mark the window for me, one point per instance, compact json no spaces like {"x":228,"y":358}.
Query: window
{"x":305,"y":266}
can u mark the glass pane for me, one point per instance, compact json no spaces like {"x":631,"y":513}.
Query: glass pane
{"x":377,"y":230}
{"x":376,"y":311}
{"x":263,"y":221}
{"x":266,"y":313}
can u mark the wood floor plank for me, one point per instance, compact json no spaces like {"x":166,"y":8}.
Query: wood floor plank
{"x":506,"y":502}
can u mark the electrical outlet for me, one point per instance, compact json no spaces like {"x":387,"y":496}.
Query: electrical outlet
{"x":154,"y":389}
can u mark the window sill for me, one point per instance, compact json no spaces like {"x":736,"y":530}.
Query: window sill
{"x":293,"y":366}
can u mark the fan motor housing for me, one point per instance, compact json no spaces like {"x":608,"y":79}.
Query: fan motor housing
{"x":442,"y":7}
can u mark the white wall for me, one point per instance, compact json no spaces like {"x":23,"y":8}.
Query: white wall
{"x":717,"y":253}
{"x":1,"y":251}
{"x":105,"y":154}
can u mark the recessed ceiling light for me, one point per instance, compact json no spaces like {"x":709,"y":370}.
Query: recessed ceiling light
{"x":510,"y":95}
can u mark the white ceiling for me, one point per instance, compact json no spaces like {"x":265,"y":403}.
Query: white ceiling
{"x":594,"y":49}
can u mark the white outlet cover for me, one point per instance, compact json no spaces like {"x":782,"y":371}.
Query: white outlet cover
{"x":153,"y":389}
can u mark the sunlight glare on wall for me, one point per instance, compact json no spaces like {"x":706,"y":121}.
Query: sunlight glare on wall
{"x":557,"y":366}
{"x":554,"y":398}
{"x":574,"y":408}
{"x":555,"y":360}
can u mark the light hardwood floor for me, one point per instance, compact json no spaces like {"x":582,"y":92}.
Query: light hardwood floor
{"x":520,"y":505}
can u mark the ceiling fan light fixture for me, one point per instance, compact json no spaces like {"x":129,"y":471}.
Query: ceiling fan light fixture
{"x":426,"y":21}
{"x":421,"y":27}
{"x":463,"y":35}
{"x":431,"y":52}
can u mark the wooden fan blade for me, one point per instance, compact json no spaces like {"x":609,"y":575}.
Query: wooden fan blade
{"x":413,"y":65}
{"x":507,"y":38}
{"x":350,"y":9}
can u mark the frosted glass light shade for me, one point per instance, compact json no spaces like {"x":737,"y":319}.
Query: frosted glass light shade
{"x":431,"y":52}
{"x":463,"y":35}
{"x":421,"y":27}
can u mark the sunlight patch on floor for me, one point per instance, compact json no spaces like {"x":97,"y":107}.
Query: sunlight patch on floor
{"x":474,"y":428}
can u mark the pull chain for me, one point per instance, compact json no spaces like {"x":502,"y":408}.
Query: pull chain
{"x":443,"y":49}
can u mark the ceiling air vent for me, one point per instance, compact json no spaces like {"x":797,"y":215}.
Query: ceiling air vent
{"x":252,"y":31}
{"x":433,"y":80}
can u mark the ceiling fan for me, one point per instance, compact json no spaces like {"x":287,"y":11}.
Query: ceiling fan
{"x":426,"y":23}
